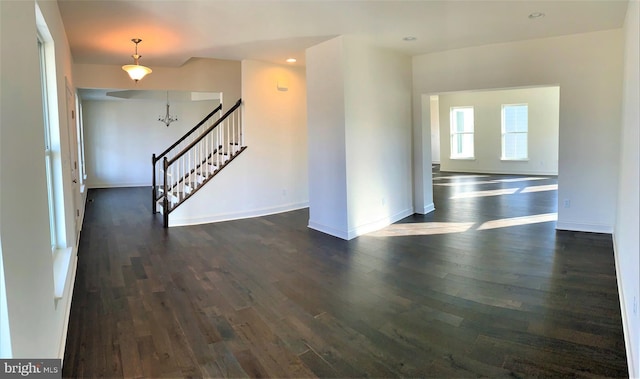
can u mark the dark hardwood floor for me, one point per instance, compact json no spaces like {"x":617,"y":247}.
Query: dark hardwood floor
{"x":483,"y":286}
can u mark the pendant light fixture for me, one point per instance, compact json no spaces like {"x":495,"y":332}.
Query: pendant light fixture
{"x":136,"y":71}
{"x":167,"y":119}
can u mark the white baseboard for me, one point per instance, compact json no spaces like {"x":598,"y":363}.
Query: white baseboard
{"x":378,"y":224}
{"x":173,"y":221}
{"x":428,"y":209}
{"x":582,"y":227}
{"x":328,"y":230}
{"x":628,"y":343}
{"x":67,"y":307}
{"x":117,"y":185}
{"x":361,"y":229}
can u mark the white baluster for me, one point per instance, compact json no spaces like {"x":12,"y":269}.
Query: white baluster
{"x":235,"y":137}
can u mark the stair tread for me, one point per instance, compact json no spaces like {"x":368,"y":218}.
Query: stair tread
{"x":203,"y":173}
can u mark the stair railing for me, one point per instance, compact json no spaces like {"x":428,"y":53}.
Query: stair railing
{"x":176,"y":147}
{"x":199,"y":161}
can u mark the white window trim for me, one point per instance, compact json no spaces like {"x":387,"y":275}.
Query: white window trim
{"x":63,"y":253}
{"x":453,"y":133}
{"x":47,"y":142}
{"x":503,"y":133}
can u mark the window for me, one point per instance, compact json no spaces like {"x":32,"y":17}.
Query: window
{"x":515,"y":127}
{"x":47,"y":144}
{"x":461,"y":133}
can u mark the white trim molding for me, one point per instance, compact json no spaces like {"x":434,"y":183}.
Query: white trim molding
{"x":582,"y":227}
{"x":236,"y":216}
{"x":328,"y":230}
{"x":427,"y":209}
{"x":361,"y":229}
{"x":378,"y":224}
{"x":626,"y":315}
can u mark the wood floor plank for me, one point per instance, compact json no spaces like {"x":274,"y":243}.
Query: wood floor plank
{"x":317,"y":365}
{"x":129,"y":353}
{"x":250,"y":364}
{"x":270,"y":349}
{"x":226,"y":361}
{"x":483,"y":286}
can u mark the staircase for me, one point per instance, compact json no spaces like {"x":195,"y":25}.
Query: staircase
{"x":194,"y":159}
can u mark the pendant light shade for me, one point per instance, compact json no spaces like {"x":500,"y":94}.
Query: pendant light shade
{"x":136,"y":71}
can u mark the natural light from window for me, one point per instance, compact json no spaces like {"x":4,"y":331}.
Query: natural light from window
{"x":47,"y":144}
{"x":461,"y":120}
{"x":443,"y":227}
{"x":423,"y":229}
{"x":464,"y":183}
{"x":515,"y":128}
{"x":434,"y":228}
{"x":516,"y":221}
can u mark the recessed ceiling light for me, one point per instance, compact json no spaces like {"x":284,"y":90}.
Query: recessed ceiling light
{"x":292,"y":60}
{"x":409,"y":38}
{"x":535,"y":15}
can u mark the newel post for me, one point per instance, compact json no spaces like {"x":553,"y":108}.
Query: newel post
{"x":165,"y":203}
{"x":153,"y":183}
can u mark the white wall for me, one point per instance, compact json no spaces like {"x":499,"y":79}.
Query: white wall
{"x":5,"y":330}
{"x":271,"y":174}
{"x":543,"y":103}
{"x":588,"y":69}
{"x":121,"y":135}
{"x":36,"y":321}
{"x":627,"y":246}
{"x":434,"y":106}
{"x":326,"y":134}
{"x":377,"y":90}
{"x":422,"y":153}
{"x":359,"y":127}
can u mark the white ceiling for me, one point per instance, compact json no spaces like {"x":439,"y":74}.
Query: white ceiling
{"x":99,"y":32}
{"x":146,"y":95}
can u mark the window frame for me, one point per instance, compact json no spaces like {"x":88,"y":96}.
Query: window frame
{"x":454,"y":134}
{"x":505,"y":133}
{"x":48,"y":153}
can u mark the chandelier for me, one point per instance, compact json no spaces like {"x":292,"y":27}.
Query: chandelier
{"x":167,"y":119}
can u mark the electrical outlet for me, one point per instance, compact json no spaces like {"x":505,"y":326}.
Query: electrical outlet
{"x":567,"y":203}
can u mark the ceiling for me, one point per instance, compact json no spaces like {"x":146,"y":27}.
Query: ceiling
{"x":172,"y":32}
{"x":146,"y":95}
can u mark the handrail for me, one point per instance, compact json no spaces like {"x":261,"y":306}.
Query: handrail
{"x":204,"y":133}
{"x":155,"y":159}
{"x":165,"y":201}
{"x":205,"y":119}
{"x":180,"y":175}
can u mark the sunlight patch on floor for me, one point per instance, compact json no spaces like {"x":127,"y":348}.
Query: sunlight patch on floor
{"x":516,"y":221}
{"x":463,"y":183}
{"x":515,"y":180}
{"x":498,"y":192}
{"x":550,"y":187}
{"x":459,"y":177}
{"x":459,"y":184}
{"x":504,"y":191}
{"x":433,"y":228}
{"x":422,"y":229}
